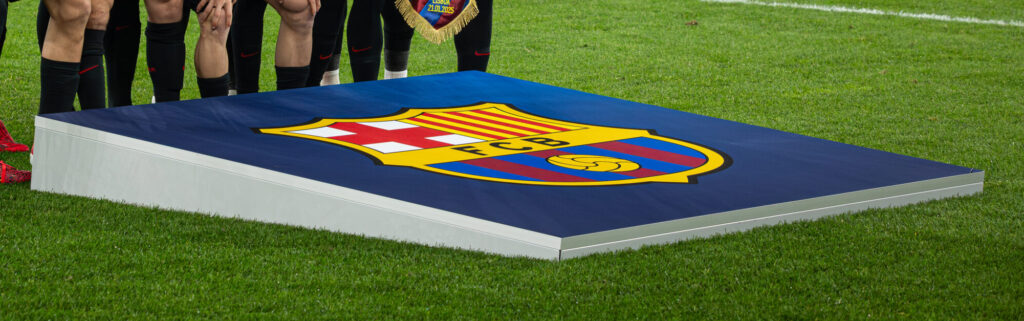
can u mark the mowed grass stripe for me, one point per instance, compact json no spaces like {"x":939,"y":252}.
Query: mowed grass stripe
{"x":943,"y":91}
{"x":842,"y":9}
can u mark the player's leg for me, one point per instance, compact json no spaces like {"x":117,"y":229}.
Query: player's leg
{"x":211,"y":55}
{"x":42,"y":23}
{"x":121,"y":51}
{"x":61,"y":54}
{"x":92,"y":92}
{"x":247,"y":44}
{"x":327,"y":27}
{"x":331,"y":76}
{"x":232,"y":89}
{"x":7,"y":143}
{"x":294,"y":42}
{"x":3,"y":26}
{"x":397,"y":38}
{"x":165,"y":47}
{"x":364,"y":39}
{"x":9,"y":174}
{"x":473,"y":44}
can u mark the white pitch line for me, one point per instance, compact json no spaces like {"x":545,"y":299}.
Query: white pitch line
{"x":926,"y":16}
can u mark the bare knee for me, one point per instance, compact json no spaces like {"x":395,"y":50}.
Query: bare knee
{"x":208,"y":33}
{"x":295,"y":15}
{"x":72,"y":12}
{"x":164,"y":11}
{"x":98,"y":17}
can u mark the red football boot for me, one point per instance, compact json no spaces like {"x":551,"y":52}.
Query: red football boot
{"x":11,"y":175}
{"x":7,"y":143}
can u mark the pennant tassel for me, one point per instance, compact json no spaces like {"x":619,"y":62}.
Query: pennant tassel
{"x":427,"y":30}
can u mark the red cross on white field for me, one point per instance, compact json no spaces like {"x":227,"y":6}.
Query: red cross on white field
{"x":388,"y":136}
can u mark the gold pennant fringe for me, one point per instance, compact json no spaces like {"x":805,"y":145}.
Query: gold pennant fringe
{"x":413,"y":18}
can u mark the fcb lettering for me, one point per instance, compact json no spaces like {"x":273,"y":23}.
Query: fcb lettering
{"x":496,"y":142}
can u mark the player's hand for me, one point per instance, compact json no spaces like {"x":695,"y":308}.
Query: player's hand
{"x":217,"y":12}
{"x":314,"y":6}
{"x":202,"y":11}
{"x":229,"y":8}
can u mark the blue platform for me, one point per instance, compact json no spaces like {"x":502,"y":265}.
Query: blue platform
{"x":764,"y":175}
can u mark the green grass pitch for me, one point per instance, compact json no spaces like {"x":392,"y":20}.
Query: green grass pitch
{"x":946,"y":91}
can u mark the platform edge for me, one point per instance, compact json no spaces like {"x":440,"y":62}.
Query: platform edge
{"x":745,"y":219}
{"x":101,"y":155}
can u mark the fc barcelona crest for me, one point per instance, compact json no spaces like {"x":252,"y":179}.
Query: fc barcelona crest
{"x":437,"y":20}
{"x":497,"y":142}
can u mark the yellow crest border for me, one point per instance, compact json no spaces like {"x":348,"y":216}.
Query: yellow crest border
{"x":716,"y":160}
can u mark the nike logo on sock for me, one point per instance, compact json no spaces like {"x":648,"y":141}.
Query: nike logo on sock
{"x":322,"y":57}
{"x":87,"y":69}
{"x":481,"y":54}
{"x":361,"y":50}
{"x":244,"y":55}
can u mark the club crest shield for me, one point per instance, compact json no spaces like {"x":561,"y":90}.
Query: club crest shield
{"x":497,"y":142}
{"x":437,"y":20}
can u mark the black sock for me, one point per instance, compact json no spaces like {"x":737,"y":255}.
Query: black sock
{"x":473,"y":61}
{"x":92,"y":93}
{"x":335,"y":62}
{"x":365,"y":39}
{"x":165,"y":55}
{"x":323,"y":47}
{"x":121,"y":51}
{"x":327,"y":29}
{"x":3,"y":25}
{"x":58,"y":84}
{"x":396,"y":60}
{"x":231,"y":65}
{"x":291,"y":77}
{"x":247,"y":44}
{"x":397,"y":33}
{"x":213,"y":87}
{"x":473,"y":44}
{"x":365,"y":65}
{"x":397,"y":38}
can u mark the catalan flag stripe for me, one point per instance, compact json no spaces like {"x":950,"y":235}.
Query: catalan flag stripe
{"x":469,"y":124}
{"x":522,"y":120}
{"x":514,"y":119}
{"x":453,"y":129}
{"x":463,"y":127}
{"x":509,"y":124}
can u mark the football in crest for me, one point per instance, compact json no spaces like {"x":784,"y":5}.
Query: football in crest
{"x":594,"y":163}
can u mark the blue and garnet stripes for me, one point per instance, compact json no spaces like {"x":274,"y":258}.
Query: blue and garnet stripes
{"x":655,"y":157}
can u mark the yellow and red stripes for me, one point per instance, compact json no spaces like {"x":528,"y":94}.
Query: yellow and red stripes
{"x":486,"y":124}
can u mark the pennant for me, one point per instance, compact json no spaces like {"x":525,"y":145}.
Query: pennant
{"x":437,"y":20}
